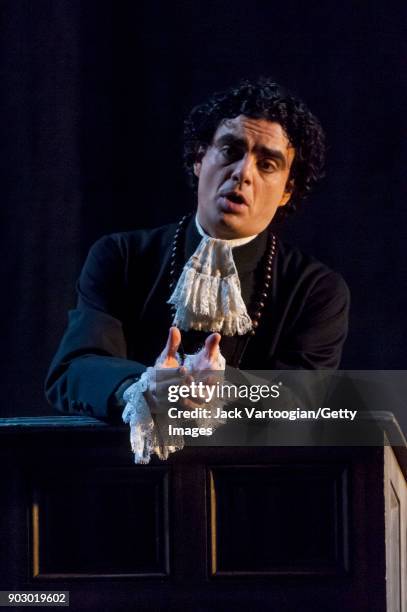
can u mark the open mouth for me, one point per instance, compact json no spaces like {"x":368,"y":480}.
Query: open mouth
{"x":234,"y":197}
{"x":233,"y":202}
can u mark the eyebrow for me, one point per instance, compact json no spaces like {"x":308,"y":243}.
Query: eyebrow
{"x":241,"y":142}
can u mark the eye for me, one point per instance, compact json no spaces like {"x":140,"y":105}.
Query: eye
{"x":230,"y":153}
{"x":267,"y":165}
{"x":226,"y":151}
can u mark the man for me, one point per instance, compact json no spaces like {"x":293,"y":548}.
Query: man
{"x":235,"y":290}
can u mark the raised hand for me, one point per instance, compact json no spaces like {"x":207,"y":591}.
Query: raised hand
{"x":197,"y":367}
{"x":157,"y":392}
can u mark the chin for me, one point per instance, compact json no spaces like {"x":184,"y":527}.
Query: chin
{"x":228,"y":228}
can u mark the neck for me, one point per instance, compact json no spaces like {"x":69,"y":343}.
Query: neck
{"x":234,"y":242}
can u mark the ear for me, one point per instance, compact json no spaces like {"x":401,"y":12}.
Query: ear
{"x":198,"y":163}
{"x":287,"y":193}
{"x":197,"y":168}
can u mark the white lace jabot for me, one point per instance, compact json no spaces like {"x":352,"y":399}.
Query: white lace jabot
{"x":208,"y":294}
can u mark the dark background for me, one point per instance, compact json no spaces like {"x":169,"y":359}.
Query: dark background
{"x":93,"y":98}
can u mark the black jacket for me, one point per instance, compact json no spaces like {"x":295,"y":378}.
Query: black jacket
{"x":122,"y":318}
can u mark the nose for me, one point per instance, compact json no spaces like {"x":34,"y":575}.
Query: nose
{"x":243,"y":170}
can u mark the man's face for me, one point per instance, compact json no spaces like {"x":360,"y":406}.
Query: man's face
{"x":243,"y":177}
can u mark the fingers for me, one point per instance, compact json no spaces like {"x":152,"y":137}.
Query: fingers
{"x":169,"y":358}
{"x":173,"y":342}
{"x":212,"y":346}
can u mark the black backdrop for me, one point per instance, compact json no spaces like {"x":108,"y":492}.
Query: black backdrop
{"x":93,"y":98}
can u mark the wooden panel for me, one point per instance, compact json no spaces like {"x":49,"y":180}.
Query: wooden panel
{"x":46,"y":467}
{"x":100,"y":522}
{"x":395,"y":492}
{"x":278,"y":520}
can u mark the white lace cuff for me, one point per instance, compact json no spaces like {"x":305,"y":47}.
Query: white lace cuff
{"x":137,"y":414}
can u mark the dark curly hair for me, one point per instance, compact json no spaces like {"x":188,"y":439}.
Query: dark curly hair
{"x":261,"y":99}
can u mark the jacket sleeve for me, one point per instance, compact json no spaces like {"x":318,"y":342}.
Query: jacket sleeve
{"x":316,"y":337}
{"x":91,"y":361}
